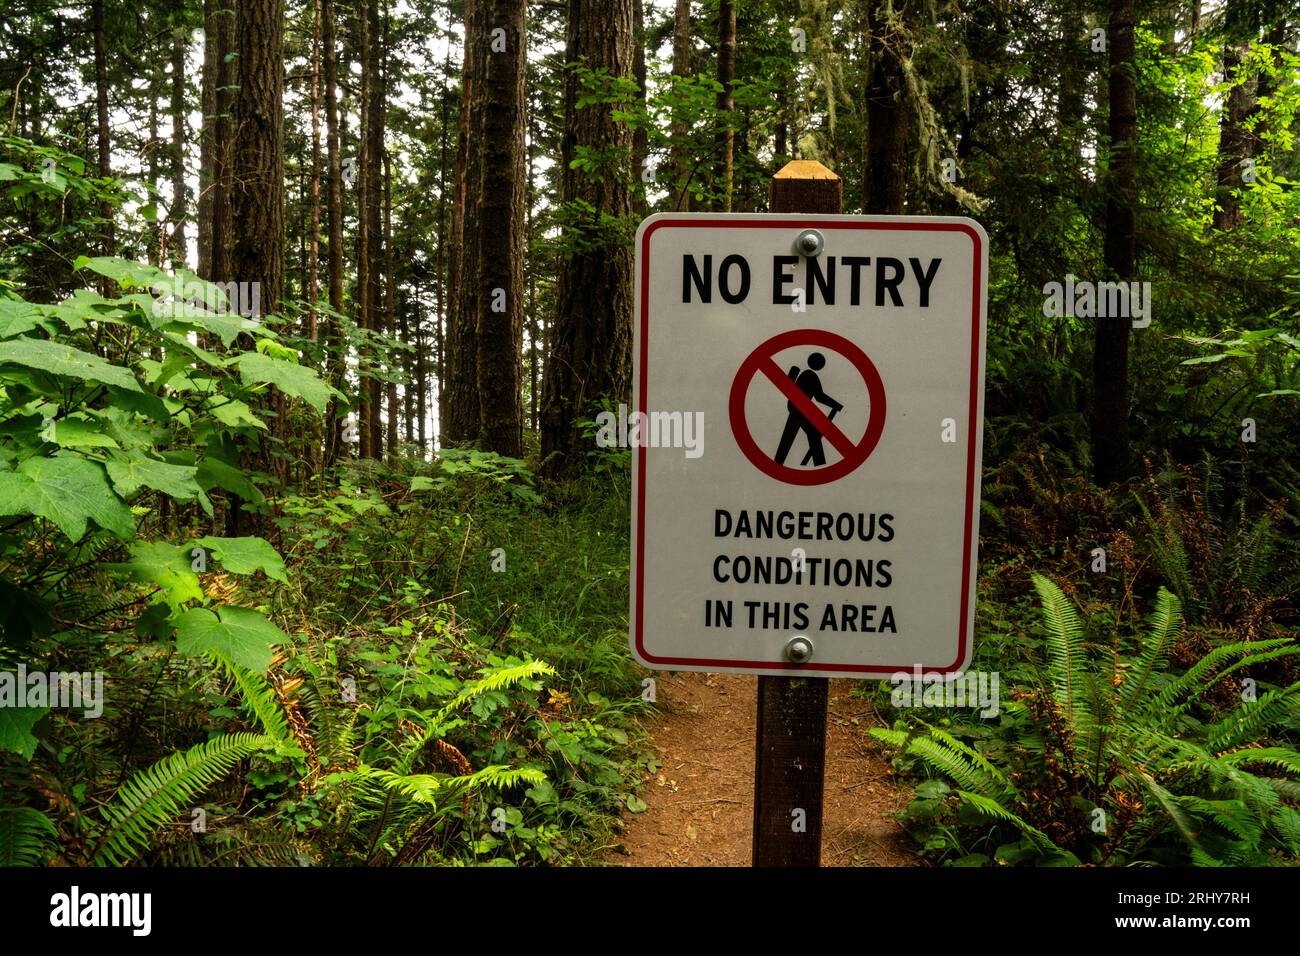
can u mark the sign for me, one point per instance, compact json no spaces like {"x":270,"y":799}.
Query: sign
{"x":806,"y":443}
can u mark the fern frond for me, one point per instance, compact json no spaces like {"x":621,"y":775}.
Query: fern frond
{"x":958,"y":766}
{"x":497,"y":776}
{"x":991,"y":808}
{"x":419,"y":787}
{"x":1176,"y":696}
{"x":258,"y":697}
{"x":1166,"y":544}
{"x":1166,"y":621}
{"x":158,"y":795}
{"x":1065,"y":664}
{"x":438,"y":724}
{"x":498,"y":679}
{"x":26,"y":836}
{"x":1234,"y":816}
{"x":1249,"y":721}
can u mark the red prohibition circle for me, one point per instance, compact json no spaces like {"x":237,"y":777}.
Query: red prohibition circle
{"x":760,"y":360}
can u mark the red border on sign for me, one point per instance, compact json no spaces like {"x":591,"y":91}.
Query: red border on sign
{"x":898,"y":225}
{"x":852,"y":455}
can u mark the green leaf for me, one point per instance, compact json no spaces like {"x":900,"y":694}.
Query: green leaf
{"x":296,"y":380}
{"x":226,"y":326}
{"x":17,"y":317}
{"x":126,"y":272}
{"x":238,"y":634}
{"x":131,"y":473}
{"x":60,"y":359}
{"x":16,"y":725}
{"x":166,"y":565}
{"x":215,"y":473}
{"x":636,"y":804}
{"x":79,"y":433}
{"x":232,"y":412}
{"x":245,"y":555}
{"x":68,"y":490}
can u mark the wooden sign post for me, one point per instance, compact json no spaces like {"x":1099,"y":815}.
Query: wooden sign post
{"x":790,"y":757}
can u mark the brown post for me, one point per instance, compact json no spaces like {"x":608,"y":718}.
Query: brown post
{"x":791,"y":754}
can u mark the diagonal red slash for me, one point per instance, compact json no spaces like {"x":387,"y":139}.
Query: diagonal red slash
{"x":807,"y":408}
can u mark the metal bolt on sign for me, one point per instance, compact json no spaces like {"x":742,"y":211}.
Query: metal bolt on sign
{"x":798,"y":650}
{"x":810,"y":243}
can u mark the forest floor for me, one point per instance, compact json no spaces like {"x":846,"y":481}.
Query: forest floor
{"x":700,"y":803}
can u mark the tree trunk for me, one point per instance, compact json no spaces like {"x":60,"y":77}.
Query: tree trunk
{"x":257,"y":167}
{"x":641,"y":135}
{"x":726,"y":104}
{"x":442,"y":256}
{"x":374,"y":291}
{"x":334,"y":209}
{"x":257,"y":187}
{"x":390,"y":312}
{"x":1235,"y":140}
{"x":591,"y":348}
{"x":534,"y":350}
{"x":207,"y":130}
{"x":888,"y":116}
{"x":1110,"y":354}
{"x":365,"y":264}
{"x":313,"y":239}
{"x":681,"y":163}
{"x":177,"y":214}
{"x":457,"y":390}
{"x":496,"y":190}
{"x":101,"y":119}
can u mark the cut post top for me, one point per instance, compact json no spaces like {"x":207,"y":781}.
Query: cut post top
{"x":804,"y":169}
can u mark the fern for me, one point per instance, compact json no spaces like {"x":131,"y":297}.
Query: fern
{"x":497,"y":777}
{"x":1199,"y":678}
{"x":1166,"y":621}
{"x":954,"y":762}
{"x":26,"y":836}
{"x":1065,"y":665}
{"x":259,"y":697}
{"x":495,"y":680}
{"x":991,"y":808}
{"x":158,"y":795}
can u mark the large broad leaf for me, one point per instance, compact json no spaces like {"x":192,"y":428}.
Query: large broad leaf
{"x":241,"y":635}
{"x":60,"y":359}
{"x":208,"y":358}
{"x":16,"y":725}
{"x":79,"y":433}
{"x":166,"y":565}
{"x":67,"y":489}
{"x":125,"y":272}
{"x":296,"y":380}
{"x":17,"y":317}
{"x":130,"y":473}
{"x":245,"y":555}
{"x":226,"y":326}
{"x":232,"y":412}
{"x":215,"y":473}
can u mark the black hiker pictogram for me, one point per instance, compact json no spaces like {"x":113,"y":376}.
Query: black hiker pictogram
{"x":810,"y":384}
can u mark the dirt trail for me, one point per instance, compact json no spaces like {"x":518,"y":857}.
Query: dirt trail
{"x":701,"y":802}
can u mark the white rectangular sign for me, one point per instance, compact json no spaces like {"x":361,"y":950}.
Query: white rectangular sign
{"x":806,"y":431}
